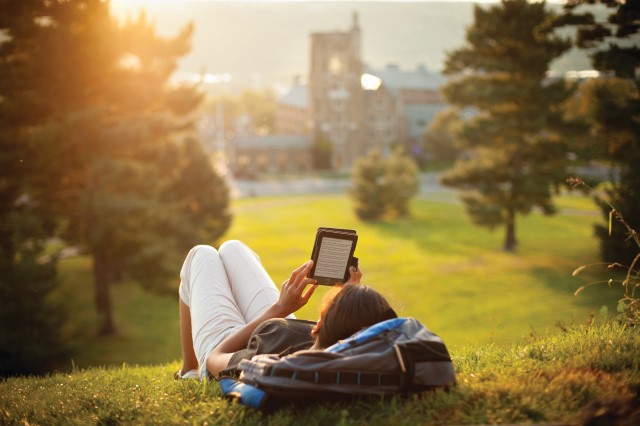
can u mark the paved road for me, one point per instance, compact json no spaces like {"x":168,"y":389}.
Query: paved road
{"x":429,"y":186}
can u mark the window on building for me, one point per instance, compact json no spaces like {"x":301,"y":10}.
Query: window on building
{"x":335,"y":65}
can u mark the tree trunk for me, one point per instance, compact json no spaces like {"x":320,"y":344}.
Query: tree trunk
{"x":102,"y":277}
{"x":510,"y":234}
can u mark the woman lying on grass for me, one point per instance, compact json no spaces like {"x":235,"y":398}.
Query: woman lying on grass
{"x":230,"y":310}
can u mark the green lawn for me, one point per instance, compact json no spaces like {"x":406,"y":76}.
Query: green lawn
{"x":441,"y":269}
{"x":435,"y":266}
{"x":496,"y":311}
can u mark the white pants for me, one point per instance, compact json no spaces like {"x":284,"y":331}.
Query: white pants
{"x":224,"y":290}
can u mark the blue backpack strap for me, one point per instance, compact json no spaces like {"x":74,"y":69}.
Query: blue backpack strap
{"x":366,"y":334}
{"x":246,"y":394}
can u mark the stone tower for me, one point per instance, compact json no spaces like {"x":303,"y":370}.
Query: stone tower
{"x":336,"y":95}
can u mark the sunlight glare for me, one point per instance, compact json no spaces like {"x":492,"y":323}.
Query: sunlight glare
{"x":370,"y":82}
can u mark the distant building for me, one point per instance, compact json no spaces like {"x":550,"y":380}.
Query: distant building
{"x":383,"y":121}
{"x":292,"y":113}
{"x":353,"y":107}
{"x":417,"y":94}
{"x":271,"y":154}
{"x":335,"y":93}
{"x":358,"y":108}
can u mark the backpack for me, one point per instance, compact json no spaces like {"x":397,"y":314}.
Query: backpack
{"x":396,"y":356}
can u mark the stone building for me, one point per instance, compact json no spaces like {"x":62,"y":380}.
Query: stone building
{"x":352,"y":107}
{"x":358,"y":108}
{"x":417,"y":94}
{"x":255,"y":155}
{"x":292,"y":113}
{"x":336,"y":97}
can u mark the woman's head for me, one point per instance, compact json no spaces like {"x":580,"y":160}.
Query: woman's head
{"x":349,"y":309}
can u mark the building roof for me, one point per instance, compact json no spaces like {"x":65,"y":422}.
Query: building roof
{"x":296,"y":97}
{"x":395,"y":78}
{"x":273,"y":141}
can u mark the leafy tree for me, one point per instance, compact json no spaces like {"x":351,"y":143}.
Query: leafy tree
{"x":612,"y":107}
{"x":383,"y":186}
{"x":261,"y":106}
{"x":514,"y":149}
{"x":439,"y":140}
{"x":108,"y":136}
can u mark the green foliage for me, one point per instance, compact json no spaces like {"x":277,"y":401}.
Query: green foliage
{"x":259,"y":106}
{"x":438,"y":139}
{"x":619,"y":27}
{"x":611,"y":107}
{"x":383,"y":185}
{"x":555,"y":379}
{"x":105,"y":139}
{"x":367,"y":187}
{"x":30,"y":319}
{"x":616,"y":244}
{"x":629,"y":305}
{"x":514,"y":151}
{"x":32,"y":339}
{"x":400,"y":182}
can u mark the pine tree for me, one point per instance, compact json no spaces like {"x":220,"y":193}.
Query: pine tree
{"x":513,"y":149}
{"x":31,"y":320}
{"x":438,"y":139}
{"x":109,"y":138}
{"x":613,"y":109}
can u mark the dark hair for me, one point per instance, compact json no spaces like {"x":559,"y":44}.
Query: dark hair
{"x":352,"y":308}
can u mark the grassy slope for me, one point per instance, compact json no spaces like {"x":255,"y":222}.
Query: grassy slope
{"x":435,"y":266}
{"x":549,"y":379}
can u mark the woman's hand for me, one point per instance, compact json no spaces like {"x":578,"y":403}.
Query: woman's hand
{"x":292,"y":294}
{"x":355,"y":275}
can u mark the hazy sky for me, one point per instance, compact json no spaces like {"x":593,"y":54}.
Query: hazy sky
{"x":256,"y":43}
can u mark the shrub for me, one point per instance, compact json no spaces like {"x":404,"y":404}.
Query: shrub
{"x":382,"y":185}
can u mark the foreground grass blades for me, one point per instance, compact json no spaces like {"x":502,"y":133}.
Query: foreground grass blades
{"x":549,"y":379}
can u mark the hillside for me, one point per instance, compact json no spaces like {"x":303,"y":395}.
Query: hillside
{"x":587,"y":371}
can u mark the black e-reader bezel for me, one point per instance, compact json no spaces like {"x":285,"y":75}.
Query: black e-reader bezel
{"x":338,"y":233}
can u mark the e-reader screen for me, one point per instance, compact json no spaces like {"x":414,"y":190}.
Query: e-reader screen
{"x":333,"y":257}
